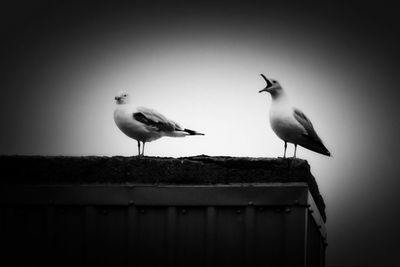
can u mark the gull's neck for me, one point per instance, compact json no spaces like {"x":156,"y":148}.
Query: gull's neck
{"x":122,"y":103}
{"x":280,"y":107}
{"x":280,"y":98}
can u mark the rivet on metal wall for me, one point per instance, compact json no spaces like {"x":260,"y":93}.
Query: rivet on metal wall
{"x":142,"y":211}
{"x":183,"y":211}
{"x":238,"y":211}
{"x":250,"y":203}
{"x":131,"y":202}
{"x":287,"y":210}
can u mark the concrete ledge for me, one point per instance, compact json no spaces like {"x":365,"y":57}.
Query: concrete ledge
{"x":197,"y":170}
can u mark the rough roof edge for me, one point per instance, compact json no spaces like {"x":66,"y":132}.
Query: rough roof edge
{"x":149,"y":170}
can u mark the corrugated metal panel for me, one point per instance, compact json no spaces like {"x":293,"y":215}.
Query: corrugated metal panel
{"x":315,"y":246}
{"x":69,"y":235}
{"x":165,"y":195}
{"x":231,"y":225}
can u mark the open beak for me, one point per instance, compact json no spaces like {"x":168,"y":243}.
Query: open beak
{"x":269,"y":84}
{"x":117,"y":98}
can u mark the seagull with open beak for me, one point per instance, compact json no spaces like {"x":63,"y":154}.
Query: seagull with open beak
{"x":289,"y":123}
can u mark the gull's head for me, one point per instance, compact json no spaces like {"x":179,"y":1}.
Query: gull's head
{"x":122,"y":97}
{"x":273,"y":86}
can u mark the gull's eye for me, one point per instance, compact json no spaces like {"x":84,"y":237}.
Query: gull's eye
{"x":124,"y":95}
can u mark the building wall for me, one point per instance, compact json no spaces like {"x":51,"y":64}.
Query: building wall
{"x":235,"y":225}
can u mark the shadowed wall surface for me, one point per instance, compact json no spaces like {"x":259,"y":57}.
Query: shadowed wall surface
{"x":197,"y":211}
{"x":198,"y":170}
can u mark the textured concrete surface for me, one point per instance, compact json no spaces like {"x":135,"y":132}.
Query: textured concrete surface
{"x":156,"y":170}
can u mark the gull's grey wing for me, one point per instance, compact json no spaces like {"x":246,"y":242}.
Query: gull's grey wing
{"x":154,"y":119}
{"x":306,"y":123}
{"x":313,"y":142}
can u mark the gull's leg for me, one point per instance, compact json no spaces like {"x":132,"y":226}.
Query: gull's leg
{"x":143,"y":148}
{"x":284,"y":153}
{"x":295,"y":149}
{"x":138,"y":147}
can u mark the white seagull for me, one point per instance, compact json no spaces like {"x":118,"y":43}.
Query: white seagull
{"x":144,"y":124}
{"x":290,"y":124}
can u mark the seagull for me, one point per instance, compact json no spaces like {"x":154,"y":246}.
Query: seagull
{"x":290,"y":124}
{"x":144,"y":124}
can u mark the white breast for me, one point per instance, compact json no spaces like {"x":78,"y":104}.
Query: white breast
{"x":123,"y":117}
{"x":284,"y":123}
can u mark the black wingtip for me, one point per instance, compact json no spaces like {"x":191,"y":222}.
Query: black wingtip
{"x":325,"y":152}
{"x":191,"y":132}
{"x":321,"y":149}
{"x":328,"y":154}
{"x":318,"y":147}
